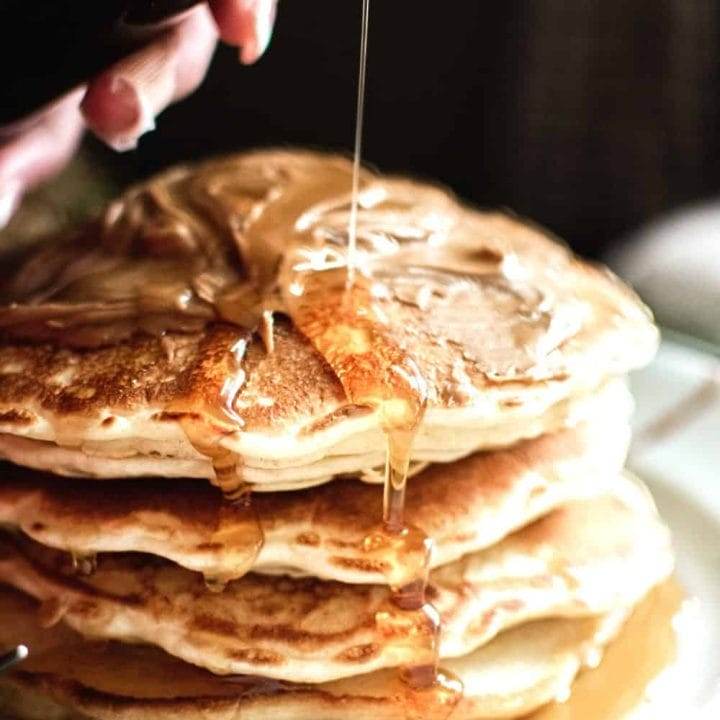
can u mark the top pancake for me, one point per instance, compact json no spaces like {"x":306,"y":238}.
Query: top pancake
{"x":143,"y":320}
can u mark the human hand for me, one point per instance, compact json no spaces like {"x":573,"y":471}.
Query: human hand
{"x":122,"y":102}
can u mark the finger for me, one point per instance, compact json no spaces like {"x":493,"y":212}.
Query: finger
{"x":121,"y":104}
{"x":247,"y":23}
{"x":38,"y":151}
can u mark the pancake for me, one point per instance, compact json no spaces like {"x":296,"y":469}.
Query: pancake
{"x":67,"y":677}
{"x":587,"y":557}
{"x":464,"y":506}
{"x":160,"y":315}
{"x":263,"y":474}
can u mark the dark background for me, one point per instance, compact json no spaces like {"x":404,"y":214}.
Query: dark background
{"x":590,"y":116}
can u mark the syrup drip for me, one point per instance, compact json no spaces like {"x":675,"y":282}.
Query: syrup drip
{"x":215,"y":585}
{"x":205,"y":429}
{"x":412,"y":619}
{"x":84,"y":563}
{"x":345,"y":324}
{"x":433,"y":702}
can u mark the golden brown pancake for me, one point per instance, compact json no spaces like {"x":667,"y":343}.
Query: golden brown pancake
{"x":588,"y":557}
{"x":464,"y":506}
{"x":116,"y":338}
{"x":363,"y":456}
{"x":69,"y":677}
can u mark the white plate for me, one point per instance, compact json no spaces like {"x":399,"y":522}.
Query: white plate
{"x":677,"y":453}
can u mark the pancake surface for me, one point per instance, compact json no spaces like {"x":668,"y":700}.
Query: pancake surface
{"x":508,"y":330}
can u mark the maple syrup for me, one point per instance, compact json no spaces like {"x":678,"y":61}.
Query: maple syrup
{"x":345,"y":324}
{"x":431,"y":701}
{"x":357,"y":154}
{"x":84,"y":563}
{"x":621,"y":686}
{"x":206,"y":423}
{"x":335,"y":308}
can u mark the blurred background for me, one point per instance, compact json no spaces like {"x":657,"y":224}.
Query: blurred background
{"x":593,"y":117}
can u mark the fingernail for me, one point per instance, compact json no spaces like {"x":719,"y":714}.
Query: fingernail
{"x":10,"y":196}
{"x":263,"y":23}
{"x":124,"y":116}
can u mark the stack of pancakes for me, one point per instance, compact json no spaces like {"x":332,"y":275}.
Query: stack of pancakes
{"x":198,"y":420}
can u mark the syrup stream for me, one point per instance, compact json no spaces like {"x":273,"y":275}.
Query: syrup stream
{"x":395,"y":386}
{"x":357,"y":153}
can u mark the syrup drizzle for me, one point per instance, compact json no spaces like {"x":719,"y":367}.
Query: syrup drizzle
{"x":345,"y":324}
{"x":206,"y":424}
{"x":399,"y":391}
{"x":376,"y":372}
{"x":338,"y":312}
{"x":357,"y":152}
